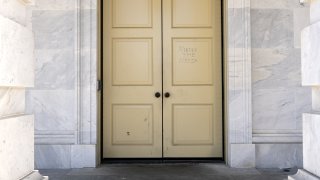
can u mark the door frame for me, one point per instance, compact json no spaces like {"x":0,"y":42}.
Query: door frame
{"x":235,"y":139}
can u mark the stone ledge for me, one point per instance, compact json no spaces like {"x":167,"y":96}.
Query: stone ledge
{"x":303,"y":175}
{"x":35,"y":175}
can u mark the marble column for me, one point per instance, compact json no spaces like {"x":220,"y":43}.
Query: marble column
{"x":16,"y":74}
{"x":311,"y":77}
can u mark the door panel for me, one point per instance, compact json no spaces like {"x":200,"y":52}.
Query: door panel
{"x":192,"y":75}
{"x":191,"y":13}
{"x":132,"y":126}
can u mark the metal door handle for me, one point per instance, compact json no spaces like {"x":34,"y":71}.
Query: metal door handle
{"x":167,"y":95}
{"x":157,"y":94}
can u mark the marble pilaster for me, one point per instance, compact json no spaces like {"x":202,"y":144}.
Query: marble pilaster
{"x":64,"y":97}
{"x":239,"y":85}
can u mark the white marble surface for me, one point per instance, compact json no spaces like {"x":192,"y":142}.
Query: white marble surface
{"x":278,"y":155}
{"x":64,"y":5}
{"x":12,"y":101}
{"x":276,"y":4}
{"x":278,"y":98}
{"x":311,"y":55}
{"x":280,"y":108}
{"x":54,"y":29}
{"x":272,"y":28}
{"x":35,"y":175}
{"x":16,"y":69}
{"x":55,"y":69}
{"x":16,"y":147}
{"x":64,"y":97}
{"x":316,"y":99}
{"x":13,"y":10}
{"x":311,"y":143}
{"x":53,"y":156}
{"x":83,"y":156}
{"x":276,"y":68}
{"x":55,"y":110}
{"x":314,"y":11}
{"x":242,"y":156}
{"x":303,"y":175}
{"x":301,"y":20}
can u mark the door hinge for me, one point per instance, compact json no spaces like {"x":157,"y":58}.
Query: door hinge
{"x":99,"y":85}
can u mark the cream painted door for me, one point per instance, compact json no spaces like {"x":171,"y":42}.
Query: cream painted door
{"x":150,"y":45}
{"x":132,"y":125}
{"x":192,"y":75}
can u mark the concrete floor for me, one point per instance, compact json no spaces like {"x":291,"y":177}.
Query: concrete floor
{"x":167,"y":172}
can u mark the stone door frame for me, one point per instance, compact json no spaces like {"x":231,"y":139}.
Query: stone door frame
{"x":239,"y":149}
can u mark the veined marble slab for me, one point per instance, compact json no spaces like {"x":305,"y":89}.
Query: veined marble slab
{"x":311,"y":55}
{"x":311,"y":143}
{"x":12,"y":101}
{"x":53,"y":110}
{"x":16,"y":147}
{"x":16,"y":54}
{"x":54,"y":29}
{"x":278,"y":155}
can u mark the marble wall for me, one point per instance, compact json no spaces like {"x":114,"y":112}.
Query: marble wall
{"x":278,"y":97}
{"x":265,"y":99}
{"x":64,"y":97}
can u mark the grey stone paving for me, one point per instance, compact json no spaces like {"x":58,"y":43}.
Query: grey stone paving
{"x":166,"y":172}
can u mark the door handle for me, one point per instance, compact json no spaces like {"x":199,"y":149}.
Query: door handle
{"x":167,"y":95}
{"x":157,"y":94}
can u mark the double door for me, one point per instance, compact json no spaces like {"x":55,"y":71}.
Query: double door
{"x":162,"y":78}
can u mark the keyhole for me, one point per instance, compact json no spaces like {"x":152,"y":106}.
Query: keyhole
{"x":128,"y":133}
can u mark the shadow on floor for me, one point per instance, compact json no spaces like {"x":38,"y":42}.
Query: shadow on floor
{"x":186,"y":171}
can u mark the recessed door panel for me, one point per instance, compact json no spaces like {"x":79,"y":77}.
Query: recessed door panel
{"x":192,"y":61}
{"x":192,"y":13}
{"x":132,"y":13}
{"x":132,"y":124}
{"x":192,"y":124}
{"x":132,"y":61}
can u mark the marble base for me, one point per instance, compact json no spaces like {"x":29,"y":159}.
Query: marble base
{"x":311,"y":143}
{"x":35,"y":175}
{"x":279,"y":155}
{"x":303,"y":175}
{"x":16,"y":146}
{"x":242,"y":156}
{"x":65,"y":156}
